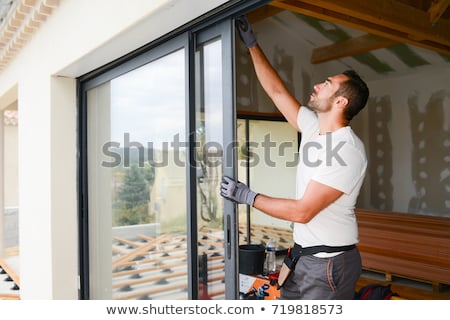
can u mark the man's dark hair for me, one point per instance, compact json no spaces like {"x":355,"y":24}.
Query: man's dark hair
{"x":356,"y":92}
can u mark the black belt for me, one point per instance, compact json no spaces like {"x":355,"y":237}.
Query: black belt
{"x":298,"y":250}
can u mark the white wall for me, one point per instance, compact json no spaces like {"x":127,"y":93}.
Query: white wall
{"x":11,"y":169}
{"x":81,"y":35}
{"x":416,"y":138}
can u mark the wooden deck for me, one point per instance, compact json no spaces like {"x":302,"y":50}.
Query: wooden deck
{"x":156,"y":267}
{"x":406,"y":246}
{"x":412,"y":253}
{"x":394,"y":248}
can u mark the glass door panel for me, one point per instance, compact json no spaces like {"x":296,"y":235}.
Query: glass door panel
{"x":267,"y":162}
{"x":215,"y":156}
{"x":209,"y":137}
{"x":137,"y":183}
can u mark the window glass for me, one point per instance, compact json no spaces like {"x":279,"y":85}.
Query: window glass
{"x":267,"y":162}
{"x":137,"y":183}
{"x":209,"y":136}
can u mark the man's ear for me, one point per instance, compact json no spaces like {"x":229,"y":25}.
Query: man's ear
{"x":341,"y":101}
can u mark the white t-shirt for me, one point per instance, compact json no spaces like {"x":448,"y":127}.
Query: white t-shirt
{"x":338,"y":160}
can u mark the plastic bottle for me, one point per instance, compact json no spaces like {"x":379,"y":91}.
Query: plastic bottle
{"x":270,"y":263}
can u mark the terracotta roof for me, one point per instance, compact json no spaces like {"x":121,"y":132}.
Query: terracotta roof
{"x":19,"y":19}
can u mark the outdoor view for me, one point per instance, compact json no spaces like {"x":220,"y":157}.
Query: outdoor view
{"x":137,"y":190}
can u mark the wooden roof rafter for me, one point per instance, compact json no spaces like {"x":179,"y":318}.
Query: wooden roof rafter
{"x":386,"y":22}
{"x":350,"y":47}
{"x":437,"y":8}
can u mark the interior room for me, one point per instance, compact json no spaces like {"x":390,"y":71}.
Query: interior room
{"x":405,"y":126}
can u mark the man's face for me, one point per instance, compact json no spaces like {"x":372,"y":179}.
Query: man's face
{"x":322,"y":98}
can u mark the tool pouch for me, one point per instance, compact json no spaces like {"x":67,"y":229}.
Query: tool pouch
{"x":297,"y":251}
{"x":286,"y":269}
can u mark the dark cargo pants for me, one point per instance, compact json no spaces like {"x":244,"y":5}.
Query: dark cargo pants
{"x":331,"y":278}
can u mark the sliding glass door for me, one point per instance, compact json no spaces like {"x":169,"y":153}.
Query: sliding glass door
{"x":215,"y":156}
{"x":156,"y":137}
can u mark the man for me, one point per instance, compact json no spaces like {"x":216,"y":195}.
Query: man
{"x":331,"y":169}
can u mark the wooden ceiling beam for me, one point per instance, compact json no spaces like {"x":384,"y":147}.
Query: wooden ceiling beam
{"x":376,"y":17}
{"x":391,"y":14}
{"x":437,"y":8}
{"x":263,"y":13}
{"x":350,"y":47}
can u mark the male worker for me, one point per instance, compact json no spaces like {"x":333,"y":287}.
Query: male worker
{"x":331,"y":169}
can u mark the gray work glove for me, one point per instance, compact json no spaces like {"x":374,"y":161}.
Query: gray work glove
{"x":245,"y":31}
{"x":237,"y":191}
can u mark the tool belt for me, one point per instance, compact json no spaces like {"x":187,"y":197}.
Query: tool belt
{"x":297,"y":251}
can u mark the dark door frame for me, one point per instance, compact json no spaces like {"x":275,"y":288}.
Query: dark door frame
{"x":184,"y":37}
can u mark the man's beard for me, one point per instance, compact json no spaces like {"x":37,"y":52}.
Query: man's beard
{"x":318,"y":105}
{"x":314,"y":106}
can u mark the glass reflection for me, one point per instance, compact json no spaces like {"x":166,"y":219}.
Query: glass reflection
{"x":209,"y":135}
{"x":137,"y":183}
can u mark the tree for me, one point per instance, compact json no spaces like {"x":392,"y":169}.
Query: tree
{"x":133,"y":196}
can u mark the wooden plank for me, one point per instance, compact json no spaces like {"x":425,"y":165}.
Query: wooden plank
{"x":15,"y":277}
{"x":392,"y":14}
{"x":262,"y":13}
{"x":150,"y":273}
{"x":408,"y":245}
{"x":9,"y":296}
{"x":437,"y":8}
{"x":350,"y":47}
{"x":152,"y":291}
{"x":167,"y":289}
{"x":140,"y":265}
{"x":140,"y":251}
{"x":155,"y":278}
{"x":139,"y":270}
{"x":407,"y":24}
{"x":150,"y":260}
{"x":411,"y":291}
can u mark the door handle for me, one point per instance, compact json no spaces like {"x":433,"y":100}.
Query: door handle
{"x":228,"y":237}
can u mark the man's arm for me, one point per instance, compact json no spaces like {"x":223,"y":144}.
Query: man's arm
{"x":274,"y":86}
{"x":317,"y":197}
{"x":267,"y":76}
